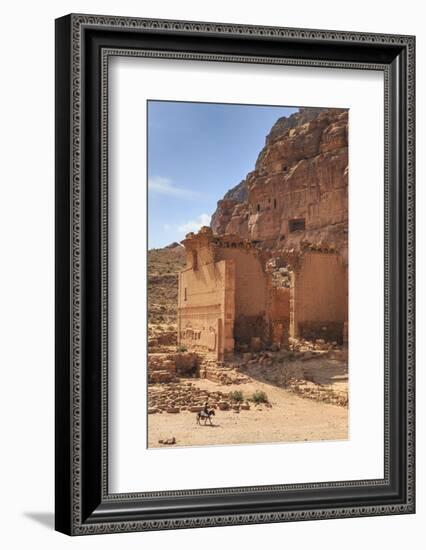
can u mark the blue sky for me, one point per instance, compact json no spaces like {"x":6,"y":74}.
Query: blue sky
{"x":196,"y":152}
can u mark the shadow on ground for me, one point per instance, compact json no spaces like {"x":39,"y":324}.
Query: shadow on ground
{"x":47,"y":519}
{"x":322,"y":371}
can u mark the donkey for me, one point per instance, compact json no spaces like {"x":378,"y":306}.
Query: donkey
{"x":206,"y":416}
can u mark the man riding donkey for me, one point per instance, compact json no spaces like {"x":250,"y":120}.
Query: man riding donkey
{"x":206,"y":414}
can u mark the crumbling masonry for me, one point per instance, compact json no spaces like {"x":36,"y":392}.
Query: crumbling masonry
{"x":228,"y":302}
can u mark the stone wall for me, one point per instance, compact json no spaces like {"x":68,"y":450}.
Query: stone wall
{"x":279,"y":316}
{"x":206,"y":308}
{"x":320,"y":296}
{"x":251,"y":283}
{"x":223,"y":294}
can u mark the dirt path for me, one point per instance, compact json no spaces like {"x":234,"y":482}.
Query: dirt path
{"x":291,"y":418}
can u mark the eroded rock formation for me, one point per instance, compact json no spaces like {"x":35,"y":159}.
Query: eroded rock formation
{"x":297,"y":195}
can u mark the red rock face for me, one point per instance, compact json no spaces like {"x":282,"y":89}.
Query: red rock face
{"x":298,"y":193}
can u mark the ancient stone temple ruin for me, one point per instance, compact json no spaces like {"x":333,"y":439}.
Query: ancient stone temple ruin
{"x":274,"y":263}
{"x":228,"y":301}
{"x":224,"y":294}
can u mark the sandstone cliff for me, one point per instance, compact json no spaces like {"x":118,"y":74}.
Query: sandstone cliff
{"x":297,"y":195}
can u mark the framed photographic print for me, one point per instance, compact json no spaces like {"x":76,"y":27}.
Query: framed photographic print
{"x":234,"y":274}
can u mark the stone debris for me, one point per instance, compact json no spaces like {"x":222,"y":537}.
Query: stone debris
{"x":296,"y":370}
{"x":319,"y":344}
{"x":194,"y":409}
{"x":164,"y":368}
{"x":157,"y":340}
{"x":225,"y":374}
{"x":176,"y":397}
{"x":160,"y":369}
{"x":326,"y":394}
{"x":169,"y":441}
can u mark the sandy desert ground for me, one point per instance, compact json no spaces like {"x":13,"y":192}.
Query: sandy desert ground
{"x":290,"y":418}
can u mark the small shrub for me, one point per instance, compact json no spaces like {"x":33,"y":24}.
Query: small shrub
{"x":259,"y":397}
{"x":236,"y":396}
{"x":181,"y":349}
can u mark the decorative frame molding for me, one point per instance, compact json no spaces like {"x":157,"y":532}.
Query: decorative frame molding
{"x":84,"y":43}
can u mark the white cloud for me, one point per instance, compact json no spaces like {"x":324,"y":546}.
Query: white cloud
{"x":194,"y":225}
{"x":165,"y":186}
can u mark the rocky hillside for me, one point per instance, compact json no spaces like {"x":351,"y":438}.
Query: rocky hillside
{"x":163,"y":267}
{"x":297,"y":194}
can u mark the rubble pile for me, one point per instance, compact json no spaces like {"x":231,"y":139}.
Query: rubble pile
{"x":225,"y":374}
{"x":160,"y":337}
{"x":304,"y":372}
{"x":318,"y":392}
{"x":299,"y":370}
{"x":299,"y":344}
{"x":185,"y":396}
{"x":167,"y":367}
{"x":160,"y":369}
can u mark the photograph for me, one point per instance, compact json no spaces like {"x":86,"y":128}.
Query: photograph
{"x":247,"y":263}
